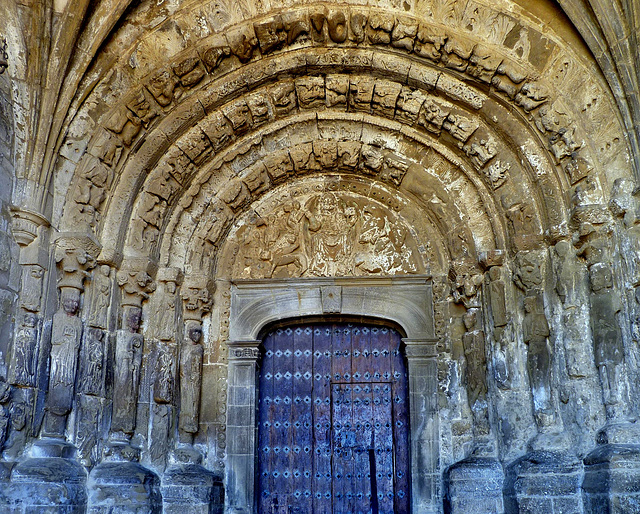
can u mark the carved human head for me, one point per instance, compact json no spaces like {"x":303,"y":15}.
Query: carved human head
{"x":563,"y":248}
{"x":70,"y":300}
{"x":105,"y":269}
{"x":30,"y":320}
{"x":194,"y":331}
{"x":132,"y":318}
{"x":601,"y":276}
{"x":470,"y":319}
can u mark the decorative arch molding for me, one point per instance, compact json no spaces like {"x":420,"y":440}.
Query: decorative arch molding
{"x":441,"y":79}
{"x":257,"y":303}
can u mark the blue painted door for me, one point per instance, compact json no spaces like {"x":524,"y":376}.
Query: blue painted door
{"x":332,"y":421}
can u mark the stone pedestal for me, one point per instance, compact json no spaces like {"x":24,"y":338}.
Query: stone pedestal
{"x":123,"y":487}
{"x":5,"y":485}
{"x":474,"y":485}
{"x":612,"y":479}
{"x":192,"y":489}
{"x":49,"y":480}
{"x":544,"y":481}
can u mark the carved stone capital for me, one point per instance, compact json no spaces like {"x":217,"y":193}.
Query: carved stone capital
{"x":170,"y":275}
{"x":75,"y":256}
{"x":244,"y":351}
{"x":466,"y":280}
{"x":25,"y":223}
{"x":529,"y":270}
{"x":197,"y":296}
{"x":136,"y":283}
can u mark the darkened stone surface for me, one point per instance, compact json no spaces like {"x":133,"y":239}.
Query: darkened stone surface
{"x":544,"y":481}
{"x":192,"y":489}
{"x":612,"y":479}
{"x":123,"y":487}
{"x":474,"y":485}
{"x":41,"y":482}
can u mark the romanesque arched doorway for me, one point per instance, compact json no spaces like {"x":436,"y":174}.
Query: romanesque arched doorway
{"x":333,"y":420}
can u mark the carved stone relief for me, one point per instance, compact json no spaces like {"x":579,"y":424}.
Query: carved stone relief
{"x":100,"y":298}
{"x":74,"y":258}
{"x":476,"y":365}
{"x":326,"y":234}
{"x":22,"y":367}
{"x":136,"y":285}
{"x":539,"y":354}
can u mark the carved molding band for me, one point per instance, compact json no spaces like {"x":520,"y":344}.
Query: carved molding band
{"x":244,"y":350}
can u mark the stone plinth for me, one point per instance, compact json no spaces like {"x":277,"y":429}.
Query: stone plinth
{"x":123,"y":487}
{"x":41,"y":484}
{"x":192,"y":489}
{"x":544,"y":481}
{"x":49,"y":478}
{"x":474,"y":485}
{"x":612,"y":479}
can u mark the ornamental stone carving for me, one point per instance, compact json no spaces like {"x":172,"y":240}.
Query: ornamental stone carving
{"x":536,"y":333}
{"x":325,"y":234}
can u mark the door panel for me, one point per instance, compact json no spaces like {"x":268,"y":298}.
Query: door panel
{"x":332,"y":421}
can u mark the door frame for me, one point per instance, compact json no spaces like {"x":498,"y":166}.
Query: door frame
{"x":404,"y":300}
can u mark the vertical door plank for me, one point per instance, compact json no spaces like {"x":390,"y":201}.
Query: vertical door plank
{"x":400,"y":420}
{"x":322,"y":358}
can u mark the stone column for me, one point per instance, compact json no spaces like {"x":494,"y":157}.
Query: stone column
{"x":549,"y":464}
{"x":136,"y":284}
{"x":96,"y":344}
{"x":159,"y":402}
{"x":23,"y":363}
{"x":119,"y":482}
{"x":197,"y":298}
{"x":74,"y":260}
{"x":187,"y":487}
{"x":425,"y":435}
{"x":612,"y":470}
{"x":50,"y":477}
{"x":241,"y":426}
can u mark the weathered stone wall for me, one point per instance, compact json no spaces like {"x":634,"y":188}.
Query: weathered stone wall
{"x":9,"y":282}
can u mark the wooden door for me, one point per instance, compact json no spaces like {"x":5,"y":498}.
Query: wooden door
{"x":332,"y":421}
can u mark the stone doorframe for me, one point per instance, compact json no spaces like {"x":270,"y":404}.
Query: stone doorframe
{"x":405,"y":300}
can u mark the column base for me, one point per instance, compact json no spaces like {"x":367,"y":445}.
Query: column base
{"x":474,"y":485}
{"x":612,"y":479}
{"x":192,"y":489}
{"x":123,"y":487}
{"x":49,"y":478}
{"x":544,"y":481}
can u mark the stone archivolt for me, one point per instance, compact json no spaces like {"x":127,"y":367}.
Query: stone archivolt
{"x":244,"y":141}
